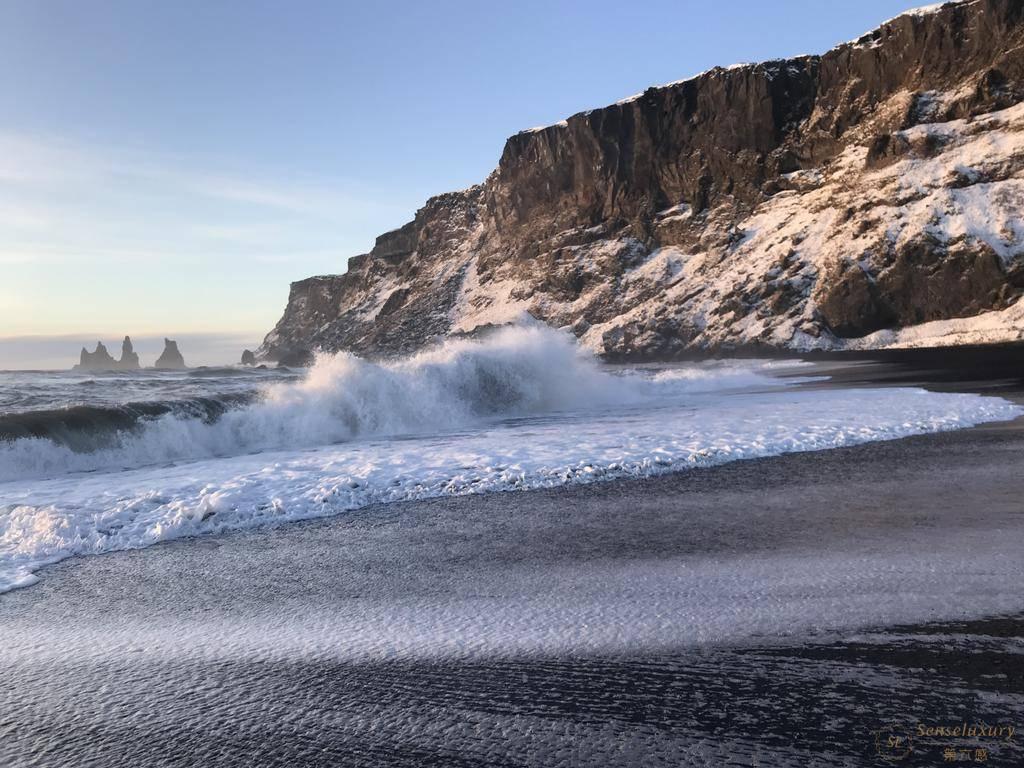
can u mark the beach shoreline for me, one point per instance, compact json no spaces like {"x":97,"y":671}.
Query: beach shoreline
{"x":806,"y":609}
{"x":814,"y":698}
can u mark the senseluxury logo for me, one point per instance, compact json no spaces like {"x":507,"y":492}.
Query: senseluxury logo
{"x":894,"y":743}
{"x":966,"y":730}
{"x":952,"y":742}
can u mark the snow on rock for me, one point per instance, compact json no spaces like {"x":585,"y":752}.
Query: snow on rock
{"x":479,"y":307}
{"x":923,"y":10}
{"x":761,"y":281}
{"x":1003,"y":326}
{"x":820,"y":202}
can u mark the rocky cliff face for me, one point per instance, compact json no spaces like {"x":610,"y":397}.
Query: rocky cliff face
{"x":870,"y":196}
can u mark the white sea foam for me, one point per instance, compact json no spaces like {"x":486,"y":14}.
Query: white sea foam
{"x":523,"y":409}
{"x":516,"y":372}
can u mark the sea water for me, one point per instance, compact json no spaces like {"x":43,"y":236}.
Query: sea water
{"x":94,"y":463}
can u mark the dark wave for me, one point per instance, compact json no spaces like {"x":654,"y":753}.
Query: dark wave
{"x":218,"y":372}
{"x":88,"y":427}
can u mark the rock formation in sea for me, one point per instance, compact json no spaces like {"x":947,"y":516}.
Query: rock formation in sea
{"x":869,"y":196}
{"x":170,"y":358}
{"x":129,"y":357}
{"x":248,"y":357}
{"x":101,"y":360}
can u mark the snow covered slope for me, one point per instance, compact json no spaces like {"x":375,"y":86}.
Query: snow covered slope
{"x":867,"y":197}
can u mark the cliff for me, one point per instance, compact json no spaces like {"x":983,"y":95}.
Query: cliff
{"x":866,"y":197}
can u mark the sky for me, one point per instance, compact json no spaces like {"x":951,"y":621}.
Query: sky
{"x":168,"y":168}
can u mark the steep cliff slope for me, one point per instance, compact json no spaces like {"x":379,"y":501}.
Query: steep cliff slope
{"x":870,"y":196}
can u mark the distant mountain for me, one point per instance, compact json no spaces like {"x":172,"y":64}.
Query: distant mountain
{"x":867,"y":197}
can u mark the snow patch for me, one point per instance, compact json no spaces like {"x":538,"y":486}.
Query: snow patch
{"x":540,"y":128}
{"x":996,"y":327}
{"x":492,"y":304}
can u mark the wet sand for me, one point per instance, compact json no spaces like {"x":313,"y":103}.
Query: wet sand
{"x":86,"y":684}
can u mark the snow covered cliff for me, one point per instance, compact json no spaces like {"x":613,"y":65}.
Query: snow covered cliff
{"x":871,"y":196}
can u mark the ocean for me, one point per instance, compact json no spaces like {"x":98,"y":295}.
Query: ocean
{"x":94,"y":463}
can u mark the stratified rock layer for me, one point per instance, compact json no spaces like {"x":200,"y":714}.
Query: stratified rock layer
{"x":828,"y":201}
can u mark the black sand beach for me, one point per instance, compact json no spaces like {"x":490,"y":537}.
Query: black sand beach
{"x":88,"y":696}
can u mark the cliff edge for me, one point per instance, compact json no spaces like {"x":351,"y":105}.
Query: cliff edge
{"x":867,"y":197}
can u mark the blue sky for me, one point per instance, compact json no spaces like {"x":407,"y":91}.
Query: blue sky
{"x":169,"y":167}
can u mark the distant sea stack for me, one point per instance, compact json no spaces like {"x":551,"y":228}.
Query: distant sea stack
{"x":101,"y":360}
{"x":170,"y":358}
{"x":129,"y":357}
{"x":867,"y":197}
{"x":248,"y":357}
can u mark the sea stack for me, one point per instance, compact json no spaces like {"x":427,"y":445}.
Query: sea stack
{"x":248,"y":358}
{"x":100,"y":360}
{"x":170,"y":357}
{"x":129,"y":357}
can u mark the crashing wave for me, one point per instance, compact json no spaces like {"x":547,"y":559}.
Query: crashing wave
{"x":521,"y":410}
{"x":515,"y":372}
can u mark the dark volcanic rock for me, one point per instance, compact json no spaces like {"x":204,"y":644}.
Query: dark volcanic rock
{"x":248,"y":357}
{"x":100,"y":360}
{"x":295,"y":358}
{"x":129,"y":357}
{"x":795,"y":203}
{"x":170,"y":358}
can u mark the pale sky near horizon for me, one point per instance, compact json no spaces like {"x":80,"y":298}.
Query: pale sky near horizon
{"x":168,"y":168}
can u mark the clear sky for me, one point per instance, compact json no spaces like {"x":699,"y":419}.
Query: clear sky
{"x":169,"y":167}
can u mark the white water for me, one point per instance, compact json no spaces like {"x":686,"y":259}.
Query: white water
{"x":522,"y":410}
